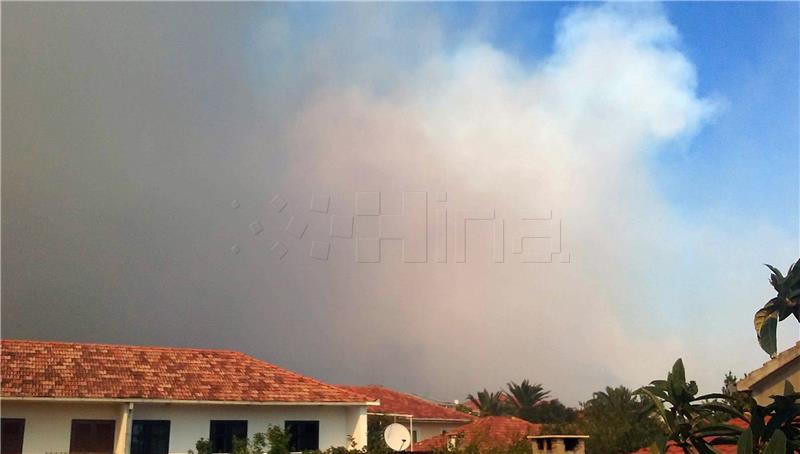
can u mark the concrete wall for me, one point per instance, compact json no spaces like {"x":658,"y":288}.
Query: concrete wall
{"x":427,"y":430}
{"x":47,"y":424}
{"x":773,"y":384}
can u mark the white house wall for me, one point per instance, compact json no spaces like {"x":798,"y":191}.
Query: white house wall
{"x":427,"y":430}
{"x":47,"y":424}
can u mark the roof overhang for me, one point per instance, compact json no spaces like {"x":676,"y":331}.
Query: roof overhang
{"x":545,"y":437}
{"x":185,"y":402}
{"x":773,"y":365}
{"x":420,"y":418}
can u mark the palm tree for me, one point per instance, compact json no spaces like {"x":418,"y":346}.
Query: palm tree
{"x":525,"y":396}
{"x":489,"y":403}
{"x":619,"y":399}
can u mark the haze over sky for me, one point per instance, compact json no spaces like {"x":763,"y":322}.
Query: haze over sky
{"x":143,"y":144}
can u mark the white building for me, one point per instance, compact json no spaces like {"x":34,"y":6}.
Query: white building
{"x":78,"y":398}
{"x":423,"y":418}
{"x":768,"y":380}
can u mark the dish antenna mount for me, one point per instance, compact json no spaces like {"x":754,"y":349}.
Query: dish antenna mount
{"x":397,"y":437}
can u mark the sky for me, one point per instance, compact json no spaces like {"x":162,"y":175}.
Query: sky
{"x":438,"y":198}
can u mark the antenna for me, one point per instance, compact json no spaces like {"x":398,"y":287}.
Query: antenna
{"x":397,"y":437}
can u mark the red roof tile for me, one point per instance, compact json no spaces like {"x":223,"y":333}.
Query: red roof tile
{"x":395,"y":402}
{"x":70,"y":370}
{"x":488,"y":432}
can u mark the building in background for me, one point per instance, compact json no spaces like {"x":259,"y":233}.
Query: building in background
{"x":489,"y":432}
{"x":104,"y":399}
{"x":423,"y":418}
{"x":558,"y":444}
{"x":768,"y":380}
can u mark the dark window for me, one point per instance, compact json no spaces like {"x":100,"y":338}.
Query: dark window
{"x":92,"y":436}
{"x":11,"y":435}
{"x":303,"y":435}
{"x":150,"y":437}
{"x":223,"y":433}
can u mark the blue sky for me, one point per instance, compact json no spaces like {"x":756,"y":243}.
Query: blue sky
{"x":745,"y":162}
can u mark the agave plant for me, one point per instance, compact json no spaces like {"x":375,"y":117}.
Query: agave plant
{"x":688,"y":419}
{"x":786,"y":303}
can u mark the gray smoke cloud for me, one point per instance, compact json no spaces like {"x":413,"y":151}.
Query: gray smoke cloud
{"x":130,"y":129}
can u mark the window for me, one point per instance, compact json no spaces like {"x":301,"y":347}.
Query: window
{"x":303,"y":435}
{"x":11,"y":434}
{"x":571,"y":444}
{"x":150,"y":437}
{"x":223,"y":432}
{"x":92,"y":435}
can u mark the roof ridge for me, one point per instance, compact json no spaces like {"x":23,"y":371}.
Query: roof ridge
{"x":130,"y":346}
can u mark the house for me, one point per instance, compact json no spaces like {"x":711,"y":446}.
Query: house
{"x":486,"y":433}
{"x":768,"y":380}
{"x":60,"y":397}
{"x":558,"y":444}
{"x":423,"y":418}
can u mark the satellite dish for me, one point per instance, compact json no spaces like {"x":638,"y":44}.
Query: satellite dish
{"x":397,"y":437}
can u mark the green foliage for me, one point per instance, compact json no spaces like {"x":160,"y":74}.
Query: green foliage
{"x":786,"y":303}
{"x":552,"y":412}
{"x":687,"y":417}
{"x":735,"y":398}
{"x":616,"y":420}
{"x":240,"y":446}
{"x":773,"y":426}
{"x":524,"y":400}
{"x":491,"y":403}
{"x":375,"y":427}
{"x":278,"y":440}
{"x":525,"y":396}
{"x":203,"y":446}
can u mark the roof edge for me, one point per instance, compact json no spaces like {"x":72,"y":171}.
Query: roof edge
{"x":768,"y":368}
{"x":184,"y":402}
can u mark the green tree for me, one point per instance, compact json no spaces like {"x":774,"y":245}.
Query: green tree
{"x":616,"y":420}
{"x":525,"y":396}
{"x":278,"y":440}
{"x":784,"y":304}
{"x":552,"y":412}
{"x":735,"y":398}
{"x":375,"y":441}
{"x":490,"y":403}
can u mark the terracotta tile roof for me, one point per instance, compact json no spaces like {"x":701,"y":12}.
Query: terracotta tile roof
{"x":396,"y":402}
{"x":488,"y":432}
{"x":721,"y":449}
{"x":71,"y":370}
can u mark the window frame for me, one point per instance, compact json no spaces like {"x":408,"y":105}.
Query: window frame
{"x":4,"y":442}
{"x":294,"y":445}
{"x":228,"y":443}
{"x":151,"y":422}
{"x":95,"y":423}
